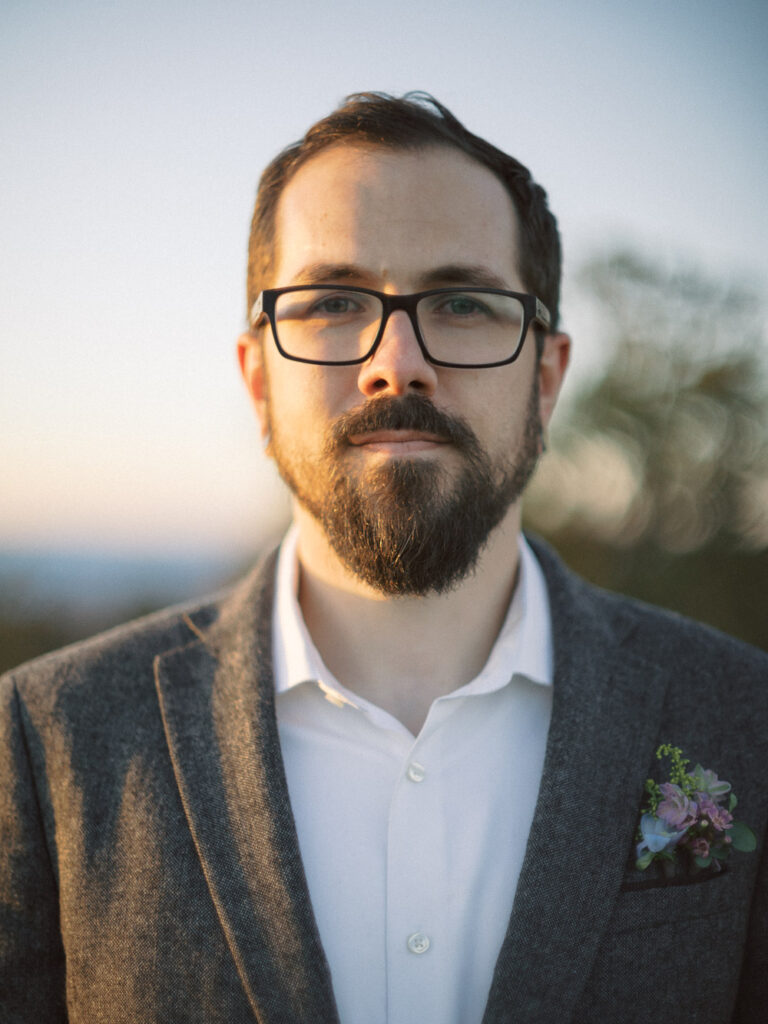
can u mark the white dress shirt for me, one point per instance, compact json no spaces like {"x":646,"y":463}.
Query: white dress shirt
{"x":413,"y":845}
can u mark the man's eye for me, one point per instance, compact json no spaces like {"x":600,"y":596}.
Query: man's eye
{"x":335,"y":304}
{"x":461,"y":306}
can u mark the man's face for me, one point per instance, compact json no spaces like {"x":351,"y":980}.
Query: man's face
{"x":406,"y":466}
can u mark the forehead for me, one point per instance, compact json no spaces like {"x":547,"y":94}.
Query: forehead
{"x":395,"y":214}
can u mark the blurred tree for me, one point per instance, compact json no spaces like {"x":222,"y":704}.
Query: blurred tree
{"x":657,"y":482}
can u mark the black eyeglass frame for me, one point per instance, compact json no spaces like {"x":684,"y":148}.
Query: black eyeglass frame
{"x":534,"y":310}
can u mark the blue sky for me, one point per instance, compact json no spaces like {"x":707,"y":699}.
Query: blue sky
{"x":134,"y":135}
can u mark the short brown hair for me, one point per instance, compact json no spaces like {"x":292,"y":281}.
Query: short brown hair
{"x":413,"y":121}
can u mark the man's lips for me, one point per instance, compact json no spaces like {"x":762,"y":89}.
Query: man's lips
{"x":396,"y":440}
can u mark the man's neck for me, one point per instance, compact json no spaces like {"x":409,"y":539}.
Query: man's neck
{"x":402,"y":653}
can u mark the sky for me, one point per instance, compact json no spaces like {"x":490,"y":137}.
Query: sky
{"x":133,"y":138}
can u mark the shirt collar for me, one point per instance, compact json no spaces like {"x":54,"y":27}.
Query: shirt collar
{"x":523,"y":646}
{"x":296,"y":659}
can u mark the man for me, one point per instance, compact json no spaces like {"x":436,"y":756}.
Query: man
{"x":395,"y":775}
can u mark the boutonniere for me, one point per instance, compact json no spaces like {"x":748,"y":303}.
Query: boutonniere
{"x":688,"y":822}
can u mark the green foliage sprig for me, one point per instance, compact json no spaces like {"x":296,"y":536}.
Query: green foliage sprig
{"x":677,"y":775}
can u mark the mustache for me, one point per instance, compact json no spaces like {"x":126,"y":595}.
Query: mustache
{"x":411,"y":412}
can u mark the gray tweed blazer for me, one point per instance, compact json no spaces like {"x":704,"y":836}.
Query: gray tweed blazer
{"x":149,"y":864}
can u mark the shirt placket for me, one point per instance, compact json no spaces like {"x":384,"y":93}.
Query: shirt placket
{"x":417,"y":901}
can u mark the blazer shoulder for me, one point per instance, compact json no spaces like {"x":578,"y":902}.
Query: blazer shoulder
{"x":650,"y":633}
{"x":668,"y":635}
{"x":124,"y":652}
{"x":120,"y":656}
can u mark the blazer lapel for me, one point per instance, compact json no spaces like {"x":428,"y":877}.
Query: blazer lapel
{"x":217,"y":702}
{"x":607,"y":706}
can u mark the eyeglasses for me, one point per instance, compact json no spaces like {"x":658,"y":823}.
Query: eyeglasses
{"x":469,"y":328}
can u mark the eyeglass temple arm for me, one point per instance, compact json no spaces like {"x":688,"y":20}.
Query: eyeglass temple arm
{"x":541,"y":314}
{"x":257,"y":309}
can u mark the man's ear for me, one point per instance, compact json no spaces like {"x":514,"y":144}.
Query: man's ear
{"x":552,"y":366}
{"x":250,"y":355}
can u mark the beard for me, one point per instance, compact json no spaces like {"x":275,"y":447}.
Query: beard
{"x":410,"y":527}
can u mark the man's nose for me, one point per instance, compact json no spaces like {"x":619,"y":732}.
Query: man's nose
{"x":398,"y":365}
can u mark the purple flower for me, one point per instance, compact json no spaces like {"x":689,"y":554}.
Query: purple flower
{"x":676,"y":809}
{"x":699,"y":847}
{"x":720,"y":818}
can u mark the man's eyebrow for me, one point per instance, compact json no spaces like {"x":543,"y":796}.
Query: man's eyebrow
{"x":470,"y":274}
{"x":320,"y":273}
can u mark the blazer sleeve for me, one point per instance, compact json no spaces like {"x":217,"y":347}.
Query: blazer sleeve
{"x":32,"y":978}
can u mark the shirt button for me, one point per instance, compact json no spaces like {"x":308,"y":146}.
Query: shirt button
{"x":418,"y":942}
{"x":416,"y":772}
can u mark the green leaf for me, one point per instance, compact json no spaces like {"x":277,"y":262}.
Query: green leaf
{"x":742,"y":837}
{"x":732,"y":802}
{"x":642,"y":862}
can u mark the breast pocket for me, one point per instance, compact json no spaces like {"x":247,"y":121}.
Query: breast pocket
{"x":670,"y":952}
{"x":647,"y":901}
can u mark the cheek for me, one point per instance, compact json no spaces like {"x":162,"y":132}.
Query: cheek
{"x":500,"y":409}
{"x":305,"y":400}
{"x":484,"y":398}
